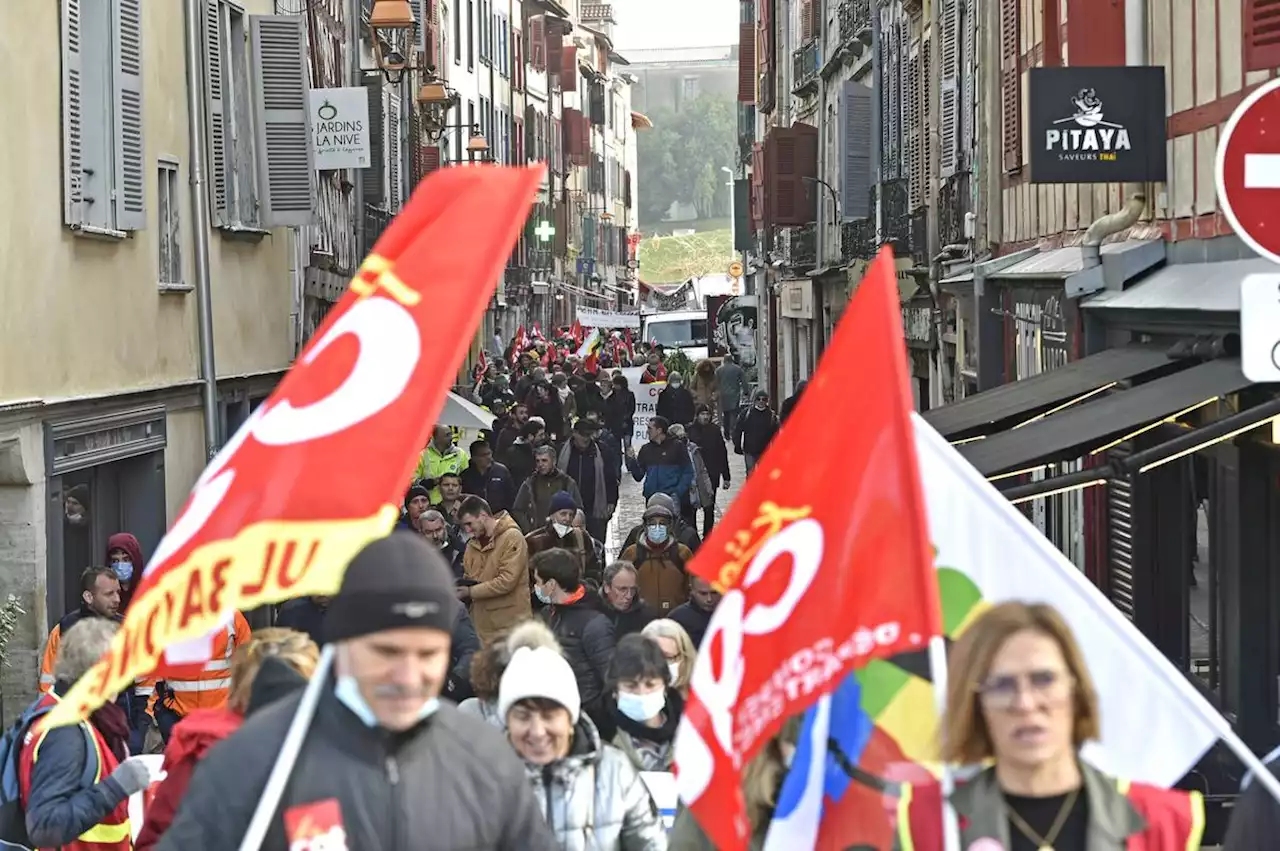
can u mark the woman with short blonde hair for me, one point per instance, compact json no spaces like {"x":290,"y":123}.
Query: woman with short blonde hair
{"x":678,"y":649}
{"x":1019,"y":695}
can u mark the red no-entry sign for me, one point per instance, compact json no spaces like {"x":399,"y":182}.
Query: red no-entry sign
{"x":1248,"y":170}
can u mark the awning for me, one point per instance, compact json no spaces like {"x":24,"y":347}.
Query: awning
{"x":1198,"y":287}
{"x":1089,"y":426}
{"x":993,"y":409}
{"x":640,"y":121}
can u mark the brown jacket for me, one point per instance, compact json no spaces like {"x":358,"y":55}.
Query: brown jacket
{"x":500,"y":569}
{"x":577,"y":542}
{"x":660,"y":574}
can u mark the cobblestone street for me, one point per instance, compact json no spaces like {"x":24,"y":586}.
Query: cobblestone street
{"x":631,"y":503}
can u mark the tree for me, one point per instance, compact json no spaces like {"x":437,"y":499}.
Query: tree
{"x":680,"y":158}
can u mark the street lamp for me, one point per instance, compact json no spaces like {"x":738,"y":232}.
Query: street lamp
{"x":436,"y":99}
{"x":477,"y":145}
{"x":391,"y":24}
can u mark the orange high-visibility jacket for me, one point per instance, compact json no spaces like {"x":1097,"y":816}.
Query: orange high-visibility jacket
{"x":212,"y":687}
{"x":50,"y":658}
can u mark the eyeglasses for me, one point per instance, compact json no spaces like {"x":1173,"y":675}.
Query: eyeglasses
{"x":1045,"y":686}
{"x":628,"y":591}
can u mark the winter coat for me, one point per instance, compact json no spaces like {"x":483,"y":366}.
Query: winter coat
{"x":392,"y":792}
{"x":586,"y":639}
{"x":620,"y":413}
{"x":715,"y":455}
{"x":594,"y":800}
{"x":518,"y":458}
{"x":588,"y":399}
{"x":676,"y":404}
{"x":789,"y":403}
{"x":595,"y":471}
{"x":464,"y":643}
{"x":694,"y":620}
{"x":754,"y":431}
{"x":550,"y":410}
{"x":128,"y":543}
{"x":495,"y":486}
{"x":704,"y":491}
{"x":703,"y":386}
{"x":500,"y":569}
{"x":633,"y":619}
{"x":577,"y":542}
{"x":683,"y":532}
{"x":487,"y":710}
{"x":732,"y":385}
{"x":660,"y":573}
{"x":664,"y":468}
{"x":533,"y":500}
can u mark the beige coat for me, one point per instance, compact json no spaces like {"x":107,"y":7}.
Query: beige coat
{"x":500,"y":568}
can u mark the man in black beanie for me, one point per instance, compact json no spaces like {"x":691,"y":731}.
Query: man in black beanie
{"x":386,"y":764}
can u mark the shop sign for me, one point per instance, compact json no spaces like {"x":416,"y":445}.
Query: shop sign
{"x":340,"y":127}
{"x":1097,"y":125}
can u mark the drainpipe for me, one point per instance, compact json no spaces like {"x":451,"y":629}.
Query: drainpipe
{"x":200,"y":225}
{"x":354,"y":14}
{"x":1104,"y":226}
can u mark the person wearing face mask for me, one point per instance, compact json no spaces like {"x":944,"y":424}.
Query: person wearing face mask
{"x":593,"y":798}
{"x":124,"y":555}
{"x":644,"y":708}
{"x":675,"y":402}
{"x":755,"y":430}
{"x":660,"y":561}
{"x":559,"y":533}
{"x":577,"y":621}
{"x":679,"y":651}
{"x":385,"y":763}
{"x":1020,"y":699}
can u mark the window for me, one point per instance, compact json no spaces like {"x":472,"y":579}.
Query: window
{"x":167,"y":231}
{"x":674,"y":333}
{"x":517,"y":59}
{"x":688,"y":89}
{"x":471,"y":122}
{"x":1261,"y":36}
{"x":486,"y":129}
{"x":538,"y":43}
{"x":457,"y":35}
{"x":484,"y":32}
{"x":471,"y":34}
{"x":259,"y":144}
{"x":102,"y":145}
{"x":504,"y":55}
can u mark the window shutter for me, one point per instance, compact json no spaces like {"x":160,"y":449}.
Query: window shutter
{"x":747,"y":63}
{"x":517,"y":138}
{"x":286,"y":170}
{"x":419,"y":23}
{"x":554,"y":48}
{"x":394,"y":190}
{"x":72,"y":129}
{"x":214,"y":60}
{"x":806,"y":20}
{"x":855,"y":147}
{"x":1010,"y":85}
{"x":949,"y":118}
{"x":538,"y":42}
{"x":430,"y":159}
{"x":130,"y":185}
{"x":758,"y":173}
{"x":1262,"y":35}
{"x":968,"y":97}
{"x":375,"y":174}
{"x":569,"y":68}
{"x":915,"y":161}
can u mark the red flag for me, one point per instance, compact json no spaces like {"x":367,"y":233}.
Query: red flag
{"x":575,"y":331}
{"x":631,"y":348}
{"x":272,"y":517}
{"x":517,"y":345}
{"x":537,"y":331}
{"x":550,"y":356}
{"x":824,"y":559}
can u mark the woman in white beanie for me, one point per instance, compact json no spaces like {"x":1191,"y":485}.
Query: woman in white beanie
{"x":593,"y":798}
{"x":488,"y":664}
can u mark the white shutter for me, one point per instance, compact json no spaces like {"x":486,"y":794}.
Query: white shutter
{"x":72,"y":118}
{"x":286,"y":170}
{"x":968,"y":96}
{"x":949,"y":97}
{"x":130,"y":178}
{"x":394,"y":193}
{"x":214,"y":63}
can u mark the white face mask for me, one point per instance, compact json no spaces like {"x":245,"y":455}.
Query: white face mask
{"x":641,"y":707}
{"x":347,"y":690}
{"x":561,"y":529}
{"x":674,"y":669}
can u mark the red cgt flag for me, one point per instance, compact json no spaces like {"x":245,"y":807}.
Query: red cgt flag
{"x":319,"y":469}
{"x":824,"y":560}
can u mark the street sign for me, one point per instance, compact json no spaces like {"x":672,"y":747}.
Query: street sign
{"x":1260,"y":327}
{"x":735,"y":269}
{"x":1247,"y":171}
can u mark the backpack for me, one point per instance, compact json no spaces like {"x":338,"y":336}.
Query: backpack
{"x":13,"y":818}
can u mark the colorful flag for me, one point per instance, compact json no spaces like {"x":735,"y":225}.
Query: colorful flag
{"x":518,"y":344}
{"x":824,"y":566}
{"x":273,"y":517}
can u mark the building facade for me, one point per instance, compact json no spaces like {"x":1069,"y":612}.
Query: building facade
{"x":101,"y":422}
{"x":669,"y":78}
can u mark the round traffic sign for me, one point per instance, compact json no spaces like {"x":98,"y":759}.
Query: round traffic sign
{"x":1247,"y":170}
{"x":735,"y":269}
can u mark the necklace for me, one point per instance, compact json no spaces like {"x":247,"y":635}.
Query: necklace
{"x":1044,"y":843}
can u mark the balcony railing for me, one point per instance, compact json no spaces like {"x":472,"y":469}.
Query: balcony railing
{"x":375,"y":222}
{"x":806,"y":63}
{"x":746,"y":131}
{"x":802,"y":247}
{"x":953,"y":203}
{"x":858,"y":240}
{"x":854,"y":17}
{"x":597,"y":11}
{"x":919,"y":229}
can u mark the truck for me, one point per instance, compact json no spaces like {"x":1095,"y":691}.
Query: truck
{"x":682,"y":330}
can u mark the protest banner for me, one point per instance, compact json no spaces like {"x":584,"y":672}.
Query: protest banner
{"x":646,"y":404}
{"x":321,"y":467}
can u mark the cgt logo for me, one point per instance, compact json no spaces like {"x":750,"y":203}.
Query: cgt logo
{"x":316,"y":826}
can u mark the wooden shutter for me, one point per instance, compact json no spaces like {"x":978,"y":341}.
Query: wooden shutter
{"x":914,"y":129}
{"x":72,"y":126}
{"x":286,"y":171}
{"x":131,"y":171}
{"x":806,"y":20}
{"x":538,"y":42}
{"x":1261,"y":35}
{"x":791,"y":154}
{"x":949,"y":94}
{"x":856,"y":106}
{"x":758,"y":212}
{"x":375,"y":174}
{"x":430,"y":159}
{"x":569,"y":68}
{"x":517,"y":135}
{"x":214,"y":60}
{"x":554,"y":57}
{"x":747,"y":63}
{"x":1010,"y":85}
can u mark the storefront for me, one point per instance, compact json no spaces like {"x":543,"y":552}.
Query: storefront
{"x":798,"y":334}
{"x":919,"y":330}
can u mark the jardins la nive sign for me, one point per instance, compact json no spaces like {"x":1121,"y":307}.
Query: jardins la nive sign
{"x":1097,"y":125}
{"x":340,"y":127}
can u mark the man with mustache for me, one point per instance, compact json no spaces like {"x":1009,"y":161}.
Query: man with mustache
{"x":385,"y":764}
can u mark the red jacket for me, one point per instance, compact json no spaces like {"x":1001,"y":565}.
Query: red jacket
{"x":193,"y":736}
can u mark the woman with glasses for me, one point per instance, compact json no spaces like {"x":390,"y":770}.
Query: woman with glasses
{"x":1020,"y":699}
{"x":677,"y":649}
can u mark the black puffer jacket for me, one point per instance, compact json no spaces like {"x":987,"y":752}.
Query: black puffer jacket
{"x":450,"y":784}
{"x":586,"y":636}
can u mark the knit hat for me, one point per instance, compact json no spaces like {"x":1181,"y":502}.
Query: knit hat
{"x":415,"y":492}
{"x":562,"y":501}
{"x":661,"y":500}
{"x":655,"y":511}
{"x":396,"y":582}
{"x":538,"y":672}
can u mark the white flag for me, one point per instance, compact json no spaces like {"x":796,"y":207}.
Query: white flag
{"x":1144,"y":699}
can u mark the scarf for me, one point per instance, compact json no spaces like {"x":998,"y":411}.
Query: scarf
{"x":600,"y":496}
{"x":113,"y":723}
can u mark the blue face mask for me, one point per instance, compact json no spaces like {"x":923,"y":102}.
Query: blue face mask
{"x":347,"y":690}
{"x":658,"y":534}
{"x":542,"y":596}
{"x":124,"y":570}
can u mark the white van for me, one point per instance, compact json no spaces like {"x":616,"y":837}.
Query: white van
{"x":685,"y":330}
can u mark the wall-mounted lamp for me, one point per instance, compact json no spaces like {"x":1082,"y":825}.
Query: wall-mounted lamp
{"x":391,"y":26}
{"x":436,"y":99}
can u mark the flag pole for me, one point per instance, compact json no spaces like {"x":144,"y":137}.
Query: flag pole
{"x":288,"y":757}
{"x":947,"y":781}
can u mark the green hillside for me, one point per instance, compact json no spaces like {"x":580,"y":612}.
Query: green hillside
{"x":668,"y":259}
